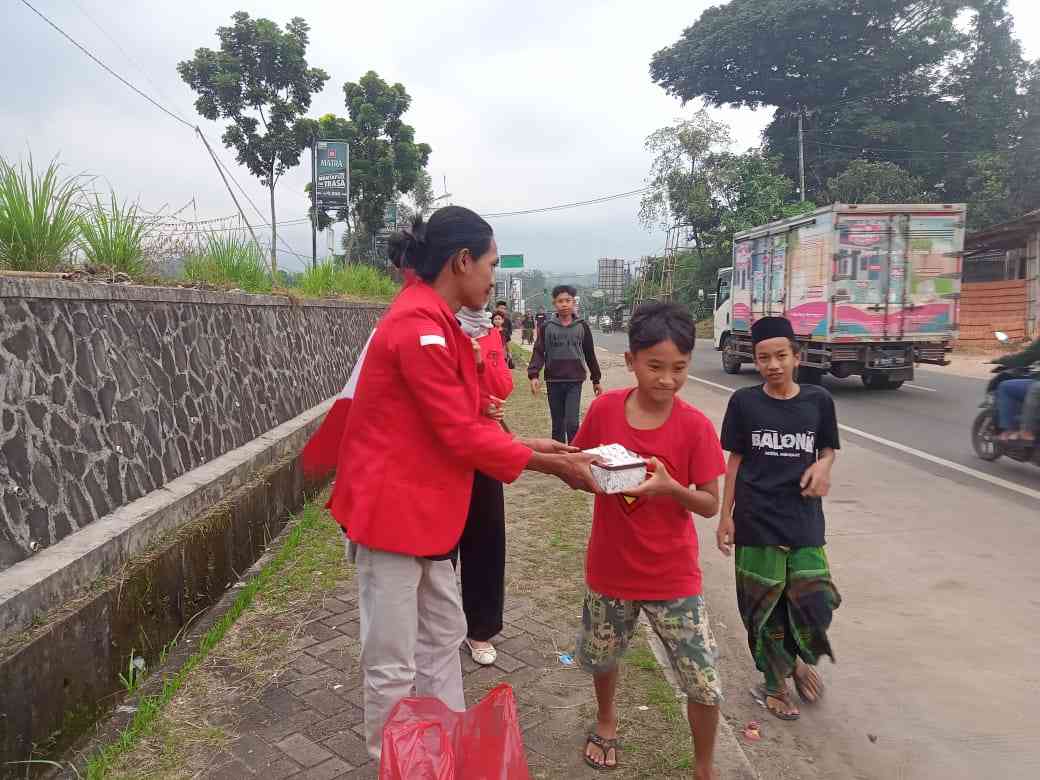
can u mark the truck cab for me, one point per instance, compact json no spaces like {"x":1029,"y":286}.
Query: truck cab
{"x":723,"y":306}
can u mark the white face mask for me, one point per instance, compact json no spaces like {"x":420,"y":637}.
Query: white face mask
{"x":476,"y":323}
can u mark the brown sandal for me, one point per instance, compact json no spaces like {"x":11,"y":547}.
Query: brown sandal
{"x":604,"y":744}
{"x":784,"y":696}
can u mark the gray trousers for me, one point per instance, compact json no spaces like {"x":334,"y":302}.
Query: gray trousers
{"x":412,"y":626}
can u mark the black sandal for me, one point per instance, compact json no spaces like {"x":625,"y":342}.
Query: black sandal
{"x":606,"y":745}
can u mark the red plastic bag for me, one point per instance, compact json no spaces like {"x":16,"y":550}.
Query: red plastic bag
{"x":425,"y":740}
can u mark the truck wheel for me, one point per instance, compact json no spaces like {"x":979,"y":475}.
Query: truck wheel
{"x":808,"y":375}
{"x":730,"y":359}
{"x":984,"y":436}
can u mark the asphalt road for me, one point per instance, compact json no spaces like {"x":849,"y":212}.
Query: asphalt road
{"x":932,"y":414}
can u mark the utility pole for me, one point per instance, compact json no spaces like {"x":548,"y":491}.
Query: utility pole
{"x":801,"y":154}
{"x":231,"y":192}
{"x":314,"y":203}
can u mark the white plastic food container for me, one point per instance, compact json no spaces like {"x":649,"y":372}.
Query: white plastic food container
{"x":621,"y":470}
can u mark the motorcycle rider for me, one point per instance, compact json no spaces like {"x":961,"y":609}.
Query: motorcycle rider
{"x":1013,"y":393}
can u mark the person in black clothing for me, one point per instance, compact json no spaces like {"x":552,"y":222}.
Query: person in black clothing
{"x":564,"y":347}
{"x":782,"y":439}
{"x":527,"y":334}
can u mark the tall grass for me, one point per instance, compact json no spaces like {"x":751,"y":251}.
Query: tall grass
{"x":39,"y":220}
{"x":113,"y":235}
{"x":330,"y":279}
{"x":229,"y":260}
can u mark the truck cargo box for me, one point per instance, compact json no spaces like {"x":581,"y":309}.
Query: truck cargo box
{"x":863,"y":273}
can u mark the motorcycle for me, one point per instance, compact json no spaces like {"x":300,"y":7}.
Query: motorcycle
{"x":985,"y":432}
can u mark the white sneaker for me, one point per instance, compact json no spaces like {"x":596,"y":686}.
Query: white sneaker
{"x":485,"y":656}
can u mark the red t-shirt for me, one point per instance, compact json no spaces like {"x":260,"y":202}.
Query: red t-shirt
{"x":645,"y":549}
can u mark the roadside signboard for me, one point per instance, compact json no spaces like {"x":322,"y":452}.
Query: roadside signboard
{"x":332,"y":174}
{"x":511,"y":261}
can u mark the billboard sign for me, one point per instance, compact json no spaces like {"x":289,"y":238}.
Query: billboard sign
{"x":332,"y":174}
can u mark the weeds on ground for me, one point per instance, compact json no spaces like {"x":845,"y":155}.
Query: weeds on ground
{"x":113,"y":235}
{"x":39,"y":217}
{"x":134,"y":672}
{"x":229,"y":260}
{"x":330,"y":279}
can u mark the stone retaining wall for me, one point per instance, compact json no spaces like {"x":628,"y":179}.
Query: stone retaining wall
{"x":107,"y":392}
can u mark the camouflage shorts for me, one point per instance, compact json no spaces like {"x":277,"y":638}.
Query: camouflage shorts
{"x":607,"y":626}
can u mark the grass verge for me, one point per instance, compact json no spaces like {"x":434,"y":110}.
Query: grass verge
{"x":305,"y":548}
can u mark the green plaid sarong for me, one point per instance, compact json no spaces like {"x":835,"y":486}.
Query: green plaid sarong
{"x":786,"y":600}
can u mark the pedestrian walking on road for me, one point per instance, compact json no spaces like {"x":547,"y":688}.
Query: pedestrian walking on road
{"x":564,"y":347}
{"x":643,"y":549}
{"x":782,"y":439}
{"x":482,"y":548}
{"x":527,"y":330}
{"x":413,"y":440}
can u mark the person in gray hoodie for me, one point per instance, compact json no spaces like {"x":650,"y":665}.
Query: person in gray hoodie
{"x":563,"y":347}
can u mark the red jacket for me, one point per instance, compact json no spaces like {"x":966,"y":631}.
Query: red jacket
{"x":495,"y":377}
{"x":413,"y":438}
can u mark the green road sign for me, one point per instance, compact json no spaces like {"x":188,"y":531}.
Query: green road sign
{"x":511,"y":261}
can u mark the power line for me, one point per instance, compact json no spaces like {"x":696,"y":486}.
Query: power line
{"x":105,"y":67}
{"x":921,"y":152}
{"x":245,"y":194}
{"x":150,"y":99}
{"x":574,"y":205}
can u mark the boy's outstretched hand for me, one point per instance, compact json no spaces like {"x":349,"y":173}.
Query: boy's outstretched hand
{"x":660,"y":482}
{"x":816,"y":481}
{"x":724,"y":535}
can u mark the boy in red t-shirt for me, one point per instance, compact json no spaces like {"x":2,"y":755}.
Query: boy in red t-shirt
{"x":642,"y":553}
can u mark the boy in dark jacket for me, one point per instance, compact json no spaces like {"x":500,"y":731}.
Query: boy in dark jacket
{"x":564,"y":348}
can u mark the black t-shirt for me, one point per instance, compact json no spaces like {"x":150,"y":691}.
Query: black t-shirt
{"x":779,"y":440}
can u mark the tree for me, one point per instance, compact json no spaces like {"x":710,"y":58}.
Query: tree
{"x":1025,"y":158}
{"x":802,"y":54}
{"x":858,"y":73}
{"x":258,"y":79}
{"x":865,"y":181}
{"x":697,"y":184}
{"x":385,"y":159}
{"x":989,"y":184}
{"x":985,"y":84}
{"x":422,"y":193}
{"x":682,"y":186}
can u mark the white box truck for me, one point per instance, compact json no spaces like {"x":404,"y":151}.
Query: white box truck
{"x":870,"y":290}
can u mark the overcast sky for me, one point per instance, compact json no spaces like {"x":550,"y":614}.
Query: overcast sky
{"x":525,"y":104}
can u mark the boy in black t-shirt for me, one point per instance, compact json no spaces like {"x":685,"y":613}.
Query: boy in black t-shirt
{"x":781,"y":438}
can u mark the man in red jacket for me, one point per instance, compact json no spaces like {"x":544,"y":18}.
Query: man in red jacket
{"x":412,"y":443}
